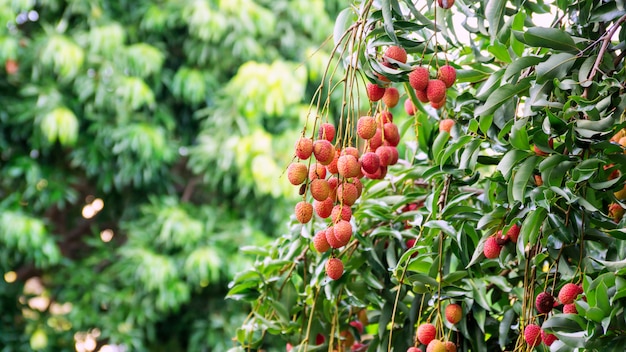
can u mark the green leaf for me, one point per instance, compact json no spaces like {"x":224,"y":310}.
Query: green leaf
{"x":519,"y":136}
{"x":552,"y":38}
{"x":494,"y":12}
{"x":510,"y":159}
{"x":388,"y":20}
{"x":500,"y":51}
{"x":518,"y":65}
{"x":521,"y":178}
{"x":556,"y":67}
{"x":529,"y":231}
{"x":342,"y":23}
{"x":502,"y":95}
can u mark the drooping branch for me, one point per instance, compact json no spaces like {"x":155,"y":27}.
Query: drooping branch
{"x":605,"y":44}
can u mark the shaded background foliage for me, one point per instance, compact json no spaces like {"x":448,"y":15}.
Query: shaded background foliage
{"x":139,"y":141}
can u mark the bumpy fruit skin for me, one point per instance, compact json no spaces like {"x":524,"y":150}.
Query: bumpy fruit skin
{"x":513,"y":233}
{"x":324,"y":151}
{"x":569,"y":292}
{"x":445,"y":4}
{"x":370,"y":162}
{"x":436,"y":90}
{"x":374,"y":92}
{"x":544,"y":302}
{"x":296,"y":173}
{"x":343,"y":232}
{"x":304,"y":148}
{"x":426,"y":333}
{"x":366,"y":127}
{"x":547,"y":338}
{"x":492,"y":248}
{"x":397,"y":53}
{"x":327,"y":132}
{"x":304,"y":212}
{"x":446,"y":125}
{"x":332,"y":167}
{"x":341,"y":212}
{"x":391,"y":134}
{"x":384,"y":155}
{"x":436,"y":346}
{"x":347,"y":193}
{"x":450,"y":346}
{"x":320,"y":243}
{"x":348,"y":166}
{"x":421,"y":96}
{"x":454,"y":313}
{"x":323,"y":208}
{"x":438,"y":105}
{"x":384,"y":117}
{"x":320,"y":189}
{"x":331,"y":239}
{"x":409,"y":107}
{"x":376,"y":141}
{"x":570,"y":308}
{"x":334,"y":268}
{"x":394,"y":155}
{"x":418,"y":78}
{"x":532,"y":335}
{"x":391,"y":97}
{"x":317,"y":170}
{"x":447,"y":74}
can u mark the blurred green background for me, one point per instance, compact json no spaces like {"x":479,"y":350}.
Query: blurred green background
{"x":141,"y":146}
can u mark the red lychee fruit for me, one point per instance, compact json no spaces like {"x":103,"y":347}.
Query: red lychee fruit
{"x":569,"y":292}
{"x":391,"y":134}
{"x":384,"y":117}
{"x":323,"y":208}
{"x":304,"y":148}
{"x":366,"y":127}
{"x":614,"y":174}
{"x":436,"y":346}
{"x":394,"y":155}
{"x":396,"y":53}
{"x":418,"y":78}
{"x":544,"y":302}
{"x":436,"y":90}
{"x":304,"y":212}
{"x":357,"y":325}
{"x":500,"y":239}
{"x":320,"y":243}
{"x":350,"y":151}
{"x":570,"y":308}
{"x":378,"y":175}
{"x":445,"y":4}
{"x":331,"y":239}
{"x":320,"y":339}
{"x":296,"y":173}
{"x":409,"y":107}
{"x":438,"y":105}
{"x":348,"y":166}
{"x":334,"y":268}
{"x":547,"y":338}
{"x":421,"y":96}
{"x":426,"y":333}
{"x":616,"y":212}
{"x":391,"y":97}
{"x":347,"y":193}
{"x":538,"y":180}
{"x":327,"y":132}
{"x":413,"y":349}
{"x":513,"y":233}
{"x":454,"y":313}
{"x":343,"y":231}
{"x":446,"y":125}
{"x":324,"y":151}
{"x":540,"y":152}
{"x":333,"y":182}
{"x":376,"y":141}
{"x":341,"y":212}
{"x":447,"y":74}
{"x":410,"y":243}
{"x":359,"y":186}
{"x":532,"y":335}
{"x":384,"y":155}
{"x":320,"y":189}
{"x":370,"y":162}
{"x":375,"y":92}
{"x":288,"y":347}
{"x":317,"y":170}
{"x":450,"y":346}
{"x":332,"y":167}
{"x":492,"y":248}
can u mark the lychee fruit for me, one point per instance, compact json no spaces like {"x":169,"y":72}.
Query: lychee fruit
{"x":332,"y":167}
{"x":569,"y":292}
{"x":394,"y":155}
{"x":446,"y":125}
{"x":370,"y":162}
{"x":334,"y":268}
{"x":320,"y":243}
{"x":492,"y":248}
{"x":396,"y":53}
{"x":375,"y":92}
{"x":304,"y":148}
{"x":418,"y":78}
{"x":350,"y":151}
{"x":384,"y":155}
{"x":413,"y":349}
{"x":391,"y":97}
{"x":347,"y":193}
{"x":616,"y":212}
{"x":320,"y":189}
{"x":376,"y":141}
{"x":540,"y":152}
{"x":378,"y":175}
{"x":304,"y":212}
{"x":296,"y":173}
{"x":436,"y":346}
{"x":513,"y":233}
{"x":341,"y":212}
{"x":331,"y":239}
{"x":532,"y":334}
{"x":570,"y":308}
{"x":359,"y":186}
{"x":333,"y":182}
{"x":409,"y":107}
{"x":450,"y":346}
{"x":357,"y":325}
{"x":324,"y":151}
{"x":548,"y":338}
{"x":436,"y":90}
{"x":320,"y":339}
{"x":343,"y":232}
{"x":538,"y":180}
{"x":454,"y":313}
{"x":544,"y":302}
{"x":445,"y":4}
{"x":447,"y":74}
{"x":317,"y":170}
{"x":500,"y":239}
{"x":384,"y":117}
{"x":439,"y":104}
{"x":426,"y":333}
{"x":323,"y":208}
{"x":410,"y":243}
{"x":348,"y":166}
{"x":366,"y":127}
{"x":421,"y":96}
{"x":327,"y":132}
{"x":391,"y":134}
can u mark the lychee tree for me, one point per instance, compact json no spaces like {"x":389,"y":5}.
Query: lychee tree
{"x":490,"y":217}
